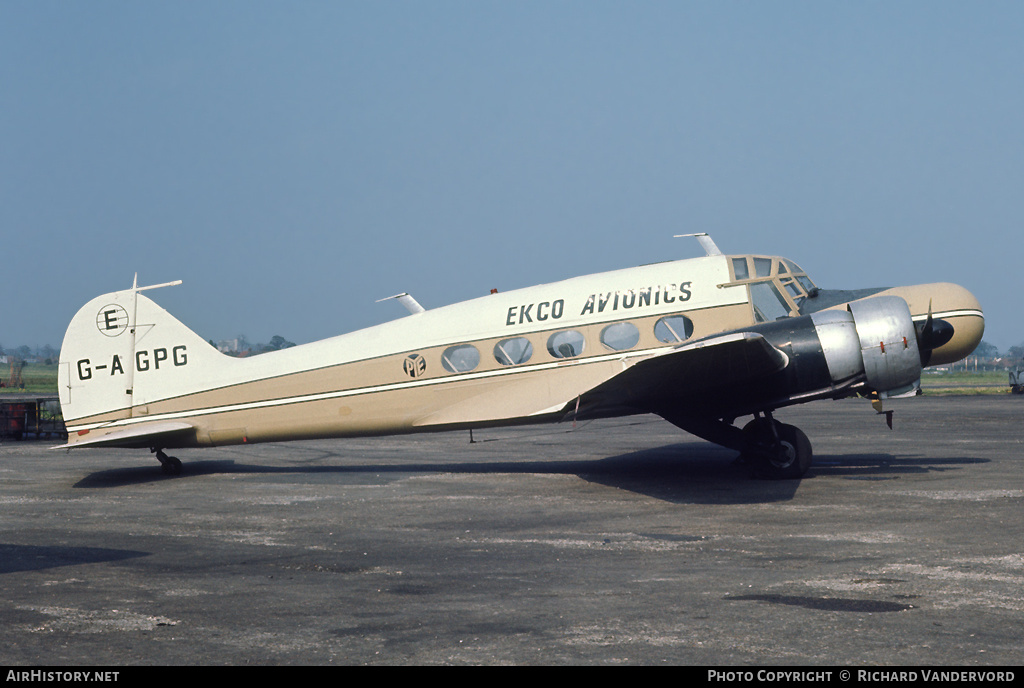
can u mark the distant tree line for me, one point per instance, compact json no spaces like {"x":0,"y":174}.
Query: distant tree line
{"x":240,"y":346}
{"x":987,"y":357}
{"x":1012,"y":356}
{"x":44,"y":354}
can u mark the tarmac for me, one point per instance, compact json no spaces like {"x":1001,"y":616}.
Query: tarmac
{"x":615,"y":542}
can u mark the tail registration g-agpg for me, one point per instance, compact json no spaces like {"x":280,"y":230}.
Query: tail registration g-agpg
{"x":700,"y":342}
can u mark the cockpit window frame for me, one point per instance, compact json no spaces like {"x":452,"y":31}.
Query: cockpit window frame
{"x":765,"y":295}
{"x":788,"y":279}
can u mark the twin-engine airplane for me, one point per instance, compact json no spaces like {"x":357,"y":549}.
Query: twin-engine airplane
{"x":700,"y":342}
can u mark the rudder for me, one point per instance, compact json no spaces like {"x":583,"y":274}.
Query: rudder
{"x":122,"y":352}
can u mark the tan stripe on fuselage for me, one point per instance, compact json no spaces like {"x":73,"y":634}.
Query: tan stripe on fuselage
{"x":376,"y":396}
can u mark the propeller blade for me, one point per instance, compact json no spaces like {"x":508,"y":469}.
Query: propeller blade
{"x":931,"y":334}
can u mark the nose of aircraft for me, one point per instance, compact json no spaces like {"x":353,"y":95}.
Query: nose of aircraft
{"x":958,"y":322}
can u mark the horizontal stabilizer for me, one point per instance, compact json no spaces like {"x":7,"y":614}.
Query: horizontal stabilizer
{"x":146,"y":435}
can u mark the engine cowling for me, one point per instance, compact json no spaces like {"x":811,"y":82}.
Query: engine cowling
{"x":875,"y":336}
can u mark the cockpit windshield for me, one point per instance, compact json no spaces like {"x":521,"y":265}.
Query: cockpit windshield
{"x":778,"y":286}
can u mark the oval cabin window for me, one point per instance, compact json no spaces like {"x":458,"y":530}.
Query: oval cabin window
{"x":673,"y":329}
{"x":566,"y":344}
{"x":460,"y":359}
{"x":620,"y":336}
{"x":513,"y":351}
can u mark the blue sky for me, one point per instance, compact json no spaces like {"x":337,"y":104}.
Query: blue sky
{"x":294,"y":162}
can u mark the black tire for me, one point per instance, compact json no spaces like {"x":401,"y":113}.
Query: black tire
{"x":787,"y":458}
{"x":171,"y":466}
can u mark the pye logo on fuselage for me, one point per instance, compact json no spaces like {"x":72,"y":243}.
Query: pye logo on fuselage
{"x":414,"y":365}
{"x":144,"y":360}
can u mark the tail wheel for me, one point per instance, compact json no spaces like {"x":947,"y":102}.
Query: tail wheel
{"x":170,"y":465}
{"x":778,"y":451}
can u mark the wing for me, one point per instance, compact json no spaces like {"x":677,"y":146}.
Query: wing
{"x":700,"y":377}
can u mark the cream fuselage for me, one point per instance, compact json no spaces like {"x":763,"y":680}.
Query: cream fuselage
{"x":127,"y":364}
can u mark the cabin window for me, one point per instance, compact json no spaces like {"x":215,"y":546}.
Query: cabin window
{"x":739,"y":266}
{"x":768,"y":302}
{"x":673,"y":329}
{"x":460,"y":359}
{"x":513,"y":351}
{"x":566,"y":344}
{"x":762,"y":267}
{"x":620,"y":336}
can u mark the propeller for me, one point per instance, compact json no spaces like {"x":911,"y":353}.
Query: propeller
{"x":931,"y":334}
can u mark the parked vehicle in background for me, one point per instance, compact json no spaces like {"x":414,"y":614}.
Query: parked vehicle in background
{"x":1017,"y":380}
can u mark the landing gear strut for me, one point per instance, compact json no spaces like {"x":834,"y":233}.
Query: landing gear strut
{"x":170,"y":465}
{"x":776,"y":450}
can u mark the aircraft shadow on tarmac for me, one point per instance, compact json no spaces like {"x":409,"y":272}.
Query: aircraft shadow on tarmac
{"x":38,"y":557}
{"x":828,"y":604}
{"x":685,"y":473}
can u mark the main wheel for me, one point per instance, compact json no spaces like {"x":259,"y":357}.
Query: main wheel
{"x":782,"y":452}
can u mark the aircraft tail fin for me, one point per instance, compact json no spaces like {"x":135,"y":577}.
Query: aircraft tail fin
{"x":121,"y":353}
